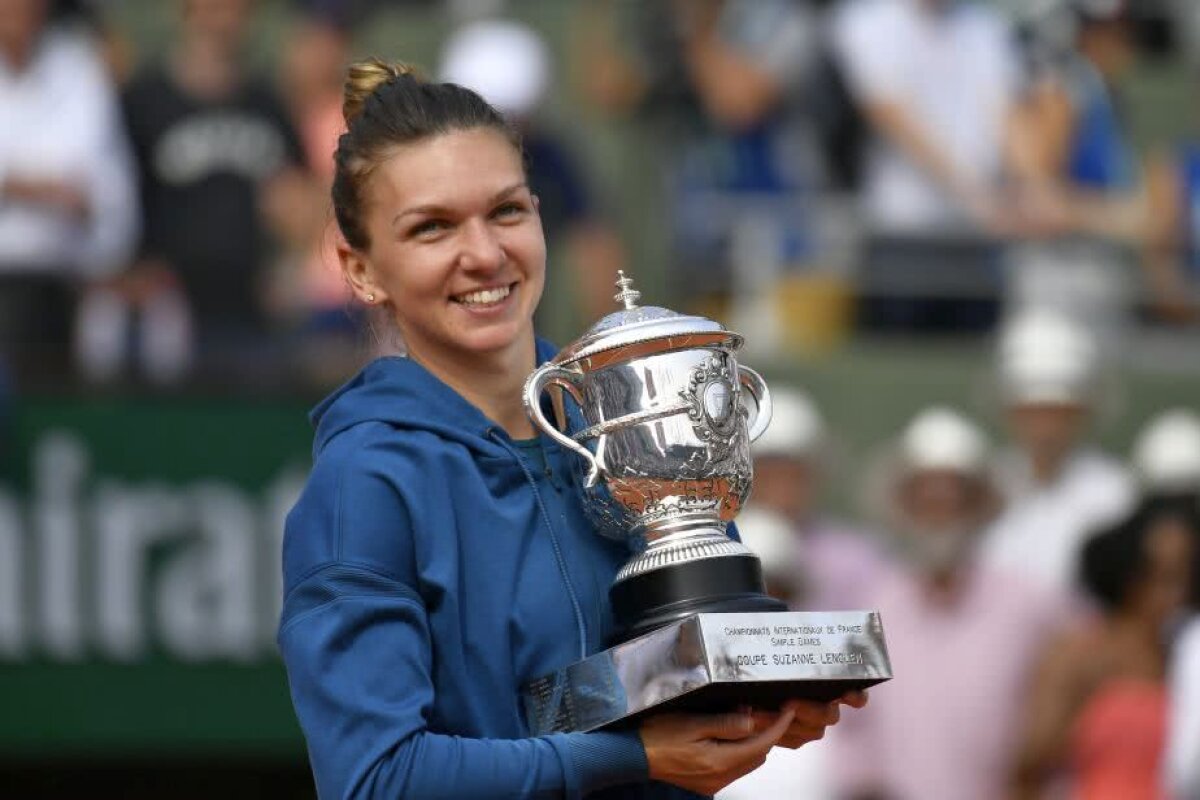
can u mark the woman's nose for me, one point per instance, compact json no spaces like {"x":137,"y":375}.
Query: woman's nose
{"x":481,"y":249}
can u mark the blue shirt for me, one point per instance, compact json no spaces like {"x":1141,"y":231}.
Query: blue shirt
{"x":430,"y":572}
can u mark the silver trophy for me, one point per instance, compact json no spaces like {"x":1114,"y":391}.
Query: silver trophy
{"x":666,"y":435}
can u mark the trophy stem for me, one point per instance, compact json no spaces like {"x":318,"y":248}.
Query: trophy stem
{"x":674,"y":544}
{"x":652,"y":599}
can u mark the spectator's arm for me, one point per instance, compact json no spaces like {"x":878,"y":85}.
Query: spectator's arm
{"x":895,"y":123}
{"x":739,"y":74}
{"x":1039,"y":146}
{"x":1166,"y":284}
{"x":114,"y":220}
{"x":1056,"y":692}
{"x":109,"y":187}
{"x":1040,"y":134}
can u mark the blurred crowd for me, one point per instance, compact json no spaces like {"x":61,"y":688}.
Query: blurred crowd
{"x":1040,"y":597}
{"x":898,"y":167}
{"x":908,"y":166}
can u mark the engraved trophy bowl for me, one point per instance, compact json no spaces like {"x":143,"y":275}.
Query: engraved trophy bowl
{"x":666,"y":442}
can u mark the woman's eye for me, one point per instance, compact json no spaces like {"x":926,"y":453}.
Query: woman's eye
{"x":428,"y":228}
{"x":508,"y":210}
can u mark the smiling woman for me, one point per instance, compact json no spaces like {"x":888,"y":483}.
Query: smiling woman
{"x":456,"y":253}
{"x":439,"y":557}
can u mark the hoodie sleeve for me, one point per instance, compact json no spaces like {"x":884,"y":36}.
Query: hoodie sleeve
{"x":356,"y":643}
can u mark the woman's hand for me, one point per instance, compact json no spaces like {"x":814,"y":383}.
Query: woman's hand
{"x":706,"y":753}
{"x":811,"y":718}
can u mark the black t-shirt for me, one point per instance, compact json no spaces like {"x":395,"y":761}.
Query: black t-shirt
{"x":201,"y":163}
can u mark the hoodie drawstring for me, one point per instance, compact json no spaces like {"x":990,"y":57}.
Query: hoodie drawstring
{"x":581,"y":627}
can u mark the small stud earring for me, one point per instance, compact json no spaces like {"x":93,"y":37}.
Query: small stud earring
{"x":371,"y":297}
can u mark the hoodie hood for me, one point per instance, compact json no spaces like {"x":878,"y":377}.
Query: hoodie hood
{"x":401,"y":392}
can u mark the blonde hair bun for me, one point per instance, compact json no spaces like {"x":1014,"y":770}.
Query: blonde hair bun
{"x":364,"y":78}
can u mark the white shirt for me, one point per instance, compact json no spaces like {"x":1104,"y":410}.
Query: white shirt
{"x":955,"y":72}
{"x":1183,"y":743}
{"x":59,"y":119}
{"x":1043,"y":527}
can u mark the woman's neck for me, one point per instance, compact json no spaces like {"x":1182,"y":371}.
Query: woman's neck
{"x":494,"y":383}
{"x":1136,"y":630}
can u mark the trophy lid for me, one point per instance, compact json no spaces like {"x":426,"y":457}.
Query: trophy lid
{"x":651,"y":328}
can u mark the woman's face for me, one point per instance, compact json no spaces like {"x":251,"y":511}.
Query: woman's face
{"x":456,"y":246}
{"x":1163,"y":589}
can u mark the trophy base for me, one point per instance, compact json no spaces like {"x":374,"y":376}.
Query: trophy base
{"x":646,"y":602}
{"x":713,"y":662}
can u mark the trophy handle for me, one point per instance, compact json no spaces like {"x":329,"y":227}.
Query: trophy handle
{"x":762,"y":398}
{"x":548,"y":375}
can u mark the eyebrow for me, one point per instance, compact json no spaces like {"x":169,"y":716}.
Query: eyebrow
{"x":433,"y":208}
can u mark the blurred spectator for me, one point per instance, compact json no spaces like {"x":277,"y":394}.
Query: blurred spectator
{"x":1183,"y":743}
{"x":68,"y":205}
{"x":112,"y":43}
{"x":307,"y":290}
{"x":937,"y":81}
{"x":1058,"y":488}
{"x":1084,"y":136}
{"x":809,"y":562}
{"x":723,"y":82}
{"x":804,"y":771}
{"x":1099,"y":703}
{"x":1173,"y":261}
{"x":962,"y":636}
{"x":833,"y":565}
{"x":1078,"y":166}
{"x":1166,"y":454}
{"x":510,"y":66}
{"x":209,"y":139}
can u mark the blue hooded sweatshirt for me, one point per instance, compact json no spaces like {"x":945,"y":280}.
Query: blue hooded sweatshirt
{"x":432,"y":567}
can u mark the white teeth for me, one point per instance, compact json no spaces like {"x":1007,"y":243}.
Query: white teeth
{"x":484,"y":297}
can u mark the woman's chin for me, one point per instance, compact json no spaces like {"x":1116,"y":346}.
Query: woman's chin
{"x":496,"y":338}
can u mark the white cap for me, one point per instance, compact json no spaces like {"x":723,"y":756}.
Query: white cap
{"x":1100,"y":9}
{"x":940,"y":438}
{"x":796,"y":429}
{"x":1046,"y":357}
{"x":1166,"y":455}
{"x":506,"y":62}
{"x":771,"y":537}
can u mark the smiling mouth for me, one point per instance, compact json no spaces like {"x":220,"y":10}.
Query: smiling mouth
{"x":484,"y":297}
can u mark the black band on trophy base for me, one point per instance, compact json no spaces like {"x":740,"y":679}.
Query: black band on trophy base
{"x":646,"y":602}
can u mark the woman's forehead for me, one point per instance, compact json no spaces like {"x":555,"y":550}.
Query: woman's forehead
{"x":449,"y":170}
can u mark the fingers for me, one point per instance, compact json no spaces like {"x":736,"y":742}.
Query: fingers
{"x":757,"y":746}
{"x":855,"y":699}
{"x":811,"y":721}
{"x":727,"y":727}
{"x":799,"y":737}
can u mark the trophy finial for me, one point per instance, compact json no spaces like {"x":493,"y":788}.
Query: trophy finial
{"x":628,"y":295}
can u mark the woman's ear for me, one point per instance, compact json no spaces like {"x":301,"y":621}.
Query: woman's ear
{"x":359,"y":275}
